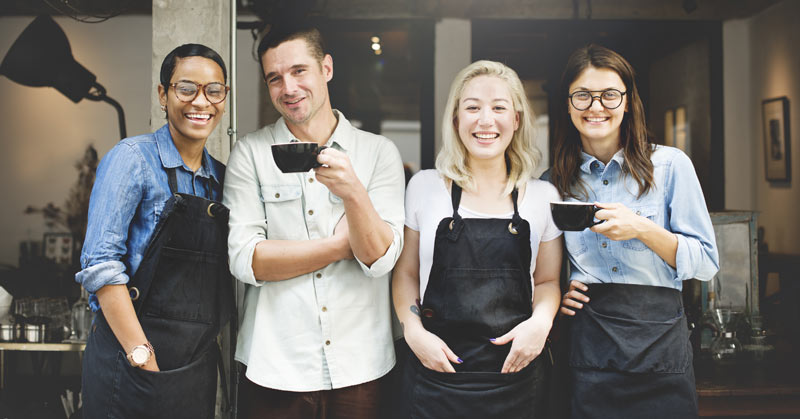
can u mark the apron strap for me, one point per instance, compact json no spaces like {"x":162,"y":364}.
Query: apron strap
{"x":456,"y":224}
{"x":172,"y":179}
{"x":516,"y":219}
{"x":455,"y":197}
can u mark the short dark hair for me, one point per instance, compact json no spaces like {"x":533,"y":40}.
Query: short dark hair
{"x":189,"y":50}
{"x":281,"y":33}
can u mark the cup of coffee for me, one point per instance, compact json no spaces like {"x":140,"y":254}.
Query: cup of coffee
{"x":296,"y":157}
{"x":574,"y":216}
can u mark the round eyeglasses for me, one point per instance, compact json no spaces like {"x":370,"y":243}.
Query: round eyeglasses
{"x":186,"y":91}
{"x":609,"y":98}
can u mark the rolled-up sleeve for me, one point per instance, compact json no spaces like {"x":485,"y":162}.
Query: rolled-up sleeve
{"x":386,"y":190}
{"x":248,"y":221}
{"x":115,"y":198}
{"x":697,"y":256}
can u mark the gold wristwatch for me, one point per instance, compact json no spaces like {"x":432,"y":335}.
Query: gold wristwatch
{"x":140,"y":354}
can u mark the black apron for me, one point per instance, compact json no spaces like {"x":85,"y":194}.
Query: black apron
{"x":183,"y":296}
{"x":479,"y":288}
{"x":630,"y":355}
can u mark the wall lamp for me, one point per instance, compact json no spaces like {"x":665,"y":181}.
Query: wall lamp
{"x":41,"y":56}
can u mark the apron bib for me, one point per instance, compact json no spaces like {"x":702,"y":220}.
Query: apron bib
{"x":479,"y":288}
{"x":630,"y":355}
{"x":183,"y":296}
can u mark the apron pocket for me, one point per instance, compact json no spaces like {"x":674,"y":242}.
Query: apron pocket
{"x":490,"y":302}
{"x":630,"y":345}
{"x":472,"y":394}
{"x":180,"y":288}
{"x":187,"y":392}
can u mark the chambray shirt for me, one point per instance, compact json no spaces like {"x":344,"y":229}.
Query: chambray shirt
{"x":129,"y":193}
{"x":326,"y":329}
{"x":676,"y":203}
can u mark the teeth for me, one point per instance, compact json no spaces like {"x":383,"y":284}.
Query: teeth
{"x":198,"y":116}
{"x":596,"y":119}
{"x":486,"y":136}
{"x":293,"y":102}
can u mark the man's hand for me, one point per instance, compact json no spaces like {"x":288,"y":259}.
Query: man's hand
{"x":337,"y":174}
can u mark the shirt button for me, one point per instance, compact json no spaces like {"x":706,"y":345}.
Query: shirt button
{"x":277,"y":195}
{"x":605,"y":181}
{"x":604,"y":244}
{"x":311,"y":180}
{"x":310,"y":212}
{"x":319,"y":275}
{"x":324,"y":309}
{"x":614,"y":269}
{"x":327,"y":342}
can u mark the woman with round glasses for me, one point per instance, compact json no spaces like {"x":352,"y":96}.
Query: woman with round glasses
{"x":629,"y":351}
{"x":155,"y":259}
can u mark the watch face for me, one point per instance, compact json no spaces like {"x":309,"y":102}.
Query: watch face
{"x":140,"y":355}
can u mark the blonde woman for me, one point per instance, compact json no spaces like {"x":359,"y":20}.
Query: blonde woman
{"x":476,"y":286}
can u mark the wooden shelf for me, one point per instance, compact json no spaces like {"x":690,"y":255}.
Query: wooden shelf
{"x":43,"y":347}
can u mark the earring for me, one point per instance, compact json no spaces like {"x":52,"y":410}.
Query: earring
{"x":164,"y":108}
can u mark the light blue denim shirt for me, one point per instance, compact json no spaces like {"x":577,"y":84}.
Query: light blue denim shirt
{"x":129,"y":193}
{"x":676,"y":203}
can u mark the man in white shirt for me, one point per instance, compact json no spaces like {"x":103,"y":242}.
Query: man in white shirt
{"x":314,"y":249}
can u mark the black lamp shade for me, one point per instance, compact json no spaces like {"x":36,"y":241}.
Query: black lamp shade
{"x":41,"y":56}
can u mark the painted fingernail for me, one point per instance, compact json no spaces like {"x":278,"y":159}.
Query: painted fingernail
{"x":492,"y":339}
{"x":460,"y":361}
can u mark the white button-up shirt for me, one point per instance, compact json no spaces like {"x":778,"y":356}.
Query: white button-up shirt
{"x":329,"y":328}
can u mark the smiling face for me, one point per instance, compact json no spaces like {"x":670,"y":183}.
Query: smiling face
{"x":598,"y":125}
{"x":297,"y":83}
{"x":192,"y":121}
{"x":486,"y":119}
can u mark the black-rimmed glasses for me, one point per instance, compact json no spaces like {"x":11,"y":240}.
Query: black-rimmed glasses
{"x":609,"y":98}
{"x":186,"y":91}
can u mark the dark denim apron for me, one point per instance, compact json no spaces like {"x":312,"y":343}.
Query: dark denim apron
{"x":183,"y":296}
{"x":630,"y":355}
{"x":479,"y":288}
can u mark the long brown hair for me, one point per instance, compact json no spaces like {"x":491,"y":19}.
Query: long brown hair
{"x":634,"y":136}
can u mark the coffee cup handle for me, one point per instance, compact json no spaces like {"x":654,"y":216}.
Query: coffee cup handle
{"x":317,"y":152}
{"x":594,"y":223}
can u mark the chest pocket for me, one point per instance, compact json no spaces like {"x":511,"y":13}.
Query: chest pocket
{"x":651,"y":212}
{"x":283,"y":210}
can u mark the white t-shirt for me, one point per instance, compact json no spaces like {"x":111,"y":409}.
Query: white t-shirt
{"x":428,"y":202}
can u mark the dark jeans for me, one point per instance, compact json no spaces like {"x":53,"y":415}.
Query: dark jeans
{"x":361,"y":401}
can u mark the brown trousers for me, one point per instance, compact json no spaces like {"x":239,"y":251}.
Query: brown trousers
{"x":361,"y":401}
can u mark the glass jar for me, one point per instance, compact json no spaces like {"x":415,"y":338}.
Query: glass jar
{"x":726,"y":348}
{"x":81,"y":317}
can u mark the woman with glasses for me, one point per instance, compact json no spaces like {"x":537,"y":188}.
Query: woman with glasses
{"x":629,"y":351}
{"x":155,"y":256}
{"x":476,"y":286}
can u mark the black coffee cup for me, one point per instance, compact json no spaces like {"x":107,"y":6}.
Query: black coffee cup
{"x":574,"y":216}
{"x":296,"y":157}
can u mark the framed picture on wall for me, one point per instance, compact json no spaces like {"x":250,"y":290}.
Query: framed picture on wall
{"x":777,"y":165}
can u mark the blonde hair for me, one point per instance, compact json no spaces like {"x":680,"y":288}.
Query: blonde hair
{"x":522,"y":156}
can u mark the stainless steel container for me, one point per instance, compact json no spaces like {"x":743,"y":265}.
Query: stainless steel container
{"x":34,"y":333}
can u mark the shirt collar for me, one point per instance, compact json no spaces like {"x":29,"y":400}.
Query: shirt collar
{"x":340,"y":139}
{"x":171,"y":158}
{"x":588,"y":160}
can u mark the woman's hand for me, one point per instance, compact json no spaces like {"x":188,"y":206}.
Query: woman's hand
{"x":620,"y":222}
{"x":431,"y":351}
{"x":527,"y":340}
{"x":151,"y":364}
{"x":574,"y":298}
